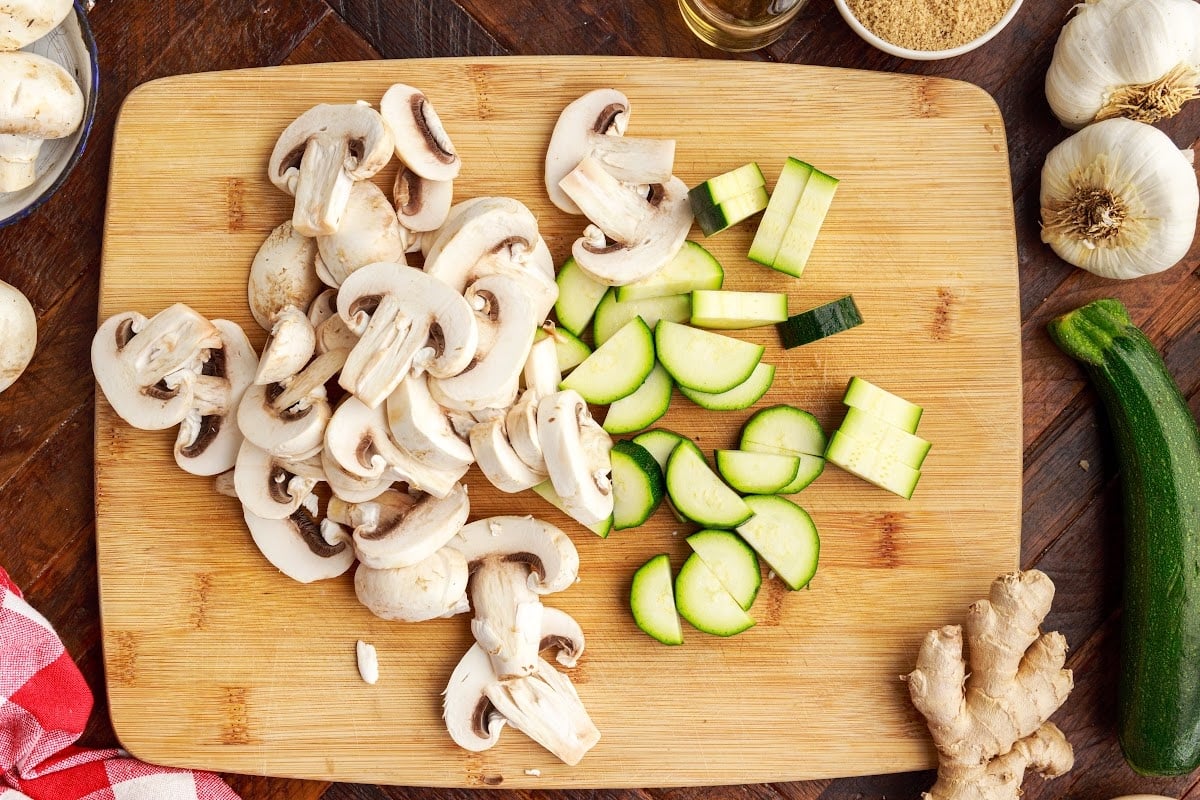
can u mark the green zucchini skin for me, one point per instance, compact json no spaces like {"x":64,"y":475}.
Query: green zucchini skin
{"x":1158,"y":450}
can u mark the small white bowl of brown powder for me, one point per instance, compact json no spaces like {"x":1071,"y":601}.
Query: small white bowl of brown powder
{"x":925,"y":30}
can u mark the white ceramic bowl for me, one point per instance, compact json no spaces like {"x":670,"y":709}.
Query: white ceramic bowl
{"x":72,"y":45}
{"x":923,"y":55}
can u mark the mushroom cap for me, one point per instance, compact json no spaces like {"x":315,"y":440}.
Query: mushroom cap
{"x":368,"y":142}
{"x":421,"y":204}
{"x":576,"y":450}
{"x":478,"y":237}
{"x":18,"y":334}
{"x":420,"y":426}
{"x":598,"y":111}
{"x":369,"y":232}
{"x":471,"y":719}
{"x":268,"y":486}
{"x":23,"y":22}
{"x":209,"y":439}
{"x":297,"y":547}
{"x":542,"y":374}
{"x":405,"y":537}
{"x":521,"y":423}
{"x":551,"y":554}
{"x":498,"y":460}
{"x":430,"y":589}
{"x":41,"y":99}
{"x":296,"y":432}
{"x":350,"y":488}
{"x":282,"y":274}
{"x":289,"y":347}
{"x":561,"y":633}
{"x":422,"y":143}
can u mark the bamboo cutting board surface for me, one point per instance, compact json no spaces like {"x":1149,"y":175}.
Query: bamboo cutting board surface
{"x":216,"y":660}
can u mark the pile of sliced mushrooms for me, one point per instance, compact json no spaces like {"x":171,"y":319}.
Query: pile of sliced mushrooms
{"x":348,"y":438}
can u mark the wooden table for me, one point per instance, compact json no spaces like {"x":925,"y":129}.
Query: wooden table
{"x":1071,"y":508}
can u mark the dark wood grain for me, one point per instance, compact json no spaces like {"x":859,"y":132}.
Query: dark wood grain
{"x":1071,"y":508}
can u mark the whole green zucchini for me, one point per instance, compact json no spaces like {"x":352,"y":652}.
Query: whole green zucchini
{"x":1158,"y":451}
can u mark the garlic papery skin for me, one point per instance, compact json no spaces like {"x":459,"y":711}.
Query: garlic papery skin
{"x":1138,"y":59}
{"x":1119,"y":199}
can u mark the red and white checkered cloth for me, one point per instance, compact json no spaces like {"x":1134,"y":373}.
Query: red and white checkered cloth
{"x":44,"y":706}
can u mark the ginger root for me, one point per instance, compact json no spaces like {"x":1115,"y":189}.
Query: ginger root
{"x":989,"y":726}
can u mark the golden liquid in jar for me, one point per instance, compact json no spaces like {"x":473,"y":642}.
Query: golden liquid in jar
{"x":752,"y":12}
{"x":739,"y":25}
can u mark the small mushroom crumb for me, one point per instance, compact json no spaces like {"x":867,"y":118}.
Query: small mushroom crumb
{"x":368,"y":662}
{"x":494,"y":528}
{"x":533,"y":773}
{"x":1083,"y":464}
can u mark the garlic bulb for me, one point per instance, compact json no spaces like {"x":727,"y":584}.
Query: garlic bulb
{"x":1125,"y":58}
{"x":1119,"y":199}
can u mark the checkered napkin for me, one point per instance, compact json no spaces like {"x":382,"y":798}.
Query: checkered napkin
{"x":44,"y":706}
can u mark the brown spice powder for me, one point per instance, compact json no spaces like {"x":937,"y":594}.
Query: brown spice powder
{"x":929,"y":24}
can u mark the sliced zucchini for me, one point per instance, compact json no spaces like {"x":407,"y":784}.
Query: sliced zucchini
{"x":570,"y":349}
{"x":757,"y":473}
{"x":810,"y":469}
{"x":817,"y":323}
{"x":698,"y":494}
{"x":637,"y":485}
{"x":733,"y":183}
{"x":736,"y":310}
{"x":783,"y":535}
{"x":652,"y":601}
{"x":783,"y":429}
{"x":785,"y":198}
{"x":806,"y":222}
{"x":545,"y":490}
{"x":578,"y":296}
{"x":642,"y":408}
{"x":705,"y":603}
{"x":611,"y":316}
{"x":617,"y":368}
{"x":882,"y":468}
{"x":693,"y":267}
{"x":703,"y":360}
{"x":714,"y":219}
{"x":744,"y":395}
{"x":908,"y":447}
{"x":890,"y":408}
{"x":732,"y":561}
{"x":659,"y":442}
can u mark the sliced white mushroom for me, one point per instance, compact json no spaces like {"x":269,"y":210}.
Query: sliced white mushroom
{"x":320,"y":155}
{"x":422,"y":143}
{"x":498,"y":460}
{"x":39,"y":100}
{"x":550,"y":554}
{"x":421,"y":204}
{"x":658,"y":239}
{"x":269,"y":486}
{"x":147,"y":367}
{"x":562,"y":634}
{"x":507,"y":620}
{"x":368,"y":662}
{"x":209,"y":438}
{"x":296,"y":431}
{"x":289,"y":347}
{"x":351,"y":488}
{"x":601,"y":111}
{"x":546,"y":708}
{"x":300,"y":546}
{"x":576,"y":449}
{"x":406,"y":319}
{"x":542,"y":375}
{"x":282,"y":274}
{"x":614,"y":207}
{"x":23,"y":22}
{"x":521,"y":424}
{"x":369,"y":232}
{"x":421,"y":426}
{"x":429,"y":589}
{"x":471,"y":719}
{"x":18,"y":334}
{"x":633,"y":159}
{"x":395,"y":530}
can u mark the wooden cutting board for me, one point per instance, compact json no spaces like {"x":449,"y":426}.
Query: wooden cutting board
{"x":214,"y":659}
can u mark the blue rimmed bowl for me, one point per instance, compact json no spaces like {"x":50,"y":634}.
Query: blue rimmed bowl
{"x":72,"y":45}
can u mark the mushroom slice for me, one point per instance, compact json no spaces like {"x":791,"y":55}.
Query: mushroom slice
{"x":282,"y":274}
{"x":542,"y":375}
{"x":507,"y":319}
{"x":209,"y":439}
{"x":420,"y":426}
{"x":295,"y":431}
{"x":421,"y":204}
{"x":147,"y":367}
{"x":422,"y":143}
{"x":546,"y":708}
{"x":521,"y":423}
{"x":614,"y":207}
{"x":562,"y":634}
{"x":471,"y":719}
{"x":23,"y":22}
{"x":498,"y":461}
{"x":289,"y":347}
{"x":320,"y":155}
{"x":508,"y":615}
{"x":659,"y":237}
{"x":269,"y":486}
{"x":406,"y":318}
{"x":601,"y":111}
{"x":351,"y":488}
{"x":430,"y":589}
{"x":41,"y":101}
{"x":369,"y":232}
{"x":552,"y":557}
{"x":389,"y":534}
{"x":576,"y":450}
{"x":299,"y":546}
{"x":633,"y":159}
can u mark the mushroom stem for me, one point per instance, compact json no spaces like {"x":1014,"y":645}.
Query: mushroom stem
{"x":322,"y":186}
{"x":546,"y":708}
{"x":316,"y":374}
{"x":18,"y":161}
{"x":508,"y":615}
